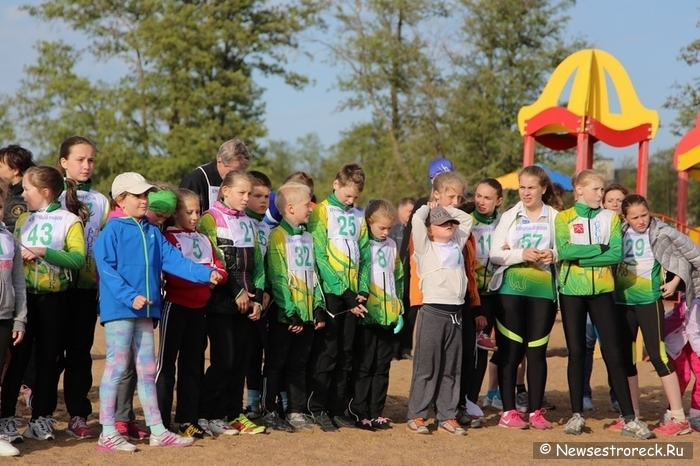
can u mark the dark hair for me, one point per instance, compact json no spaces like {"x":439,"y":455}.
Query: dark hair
{"x":615,"y":187}
{"x":4,"y":188}
{"x":406,"y":200}
{"x":50,"y":178}
{"x":493,"y":183}
{"x":303,"y":178}
{"x":17,"y":158}
{"x":633,"y":199}
{"x":351,"y":174}
{"x":549,"y":197}
{"x":260,"y":179}
{"x":67,"y":145}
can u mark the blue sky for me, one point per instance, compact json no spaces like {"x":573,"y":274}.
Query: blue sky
{"x":644,"y":35}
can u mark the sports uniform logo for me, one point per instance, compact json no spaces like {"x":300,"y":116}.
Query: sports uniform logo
{"x":578,"y":228}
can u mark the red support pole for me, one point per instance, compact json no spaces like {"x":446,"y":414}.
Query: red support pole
{"x":529,"y":150}
{"x":643,"y":167}
{"x":589,"y":162}
{"x":682,"y":204}
{"x":582,"y":156}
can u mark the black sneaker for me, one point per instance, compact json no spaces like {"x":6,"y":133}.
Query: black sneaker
{"x":381,"y":423}
{"x":343,"y":421}
{"x":192,"y":431}
{"x":463,"y":418}
{"x":273,"y":421}
{"x":365,"y":424}
{"x":549,"y":406}
{"x":324,"y":422}
{"x":251,"y":414}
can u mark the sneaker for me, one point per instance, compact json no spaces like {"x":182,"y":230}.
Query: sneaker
{"x":511,"y":419}
{"x":251,"y":413}
{"x":324,"y":422}
{"x":27,"y":395}
{"x":245,"y":426}
{"x":673,"y":427}
{"x":114,"y":441}
{"x":204,"y":425}
{"x":615,"y":407}
{"x":219,"y":427}
{"x":41,"y":428}
{"x":381,"y":423}
{"x":343,"y":421}
{"x":588,"y":404}
{"x":365,"y":424}
{"x":494,"y":402}
{"x":189,"y":430}
{"x":617,"y":424}
{"x":273,"y":421}
{"x":575,"y":425}
{"x":538,"y":421}
{"x":78,"y":428}
{"x":131,"y":431}
{"x":476,"y":421}
{"x":170,"y":439}
{"x":546,"y":404}
{"x":451,"y":426}
{"x":463,"y":417}
{"x":8,"y":428}
{"x":417,"y":426}
{"x":522,"y":402}
{"x":300,"y":422}
{"x":483,"y":342}
{"x":637,"y":428}
{"x":694,"y":423}
{"x":6,"y":448}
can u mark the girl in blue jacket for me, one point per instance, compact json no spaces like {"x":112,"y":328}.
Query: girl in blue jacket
{"x":130,"y":255}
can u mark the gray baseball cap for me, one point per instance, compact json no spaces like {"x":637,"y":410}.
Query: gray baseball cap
{"x":440,"y":216}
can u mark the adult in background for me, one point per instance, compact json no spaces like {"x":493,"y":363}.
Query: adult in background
{"x":405,"y":209}
{"x":14,"y":161}
{"x":206,"y":179}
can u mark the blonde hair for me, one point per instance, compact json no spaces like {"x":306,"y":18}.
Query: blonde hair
{"x":449,"y":180}
{"x":586,"y":176}
{"x":231,"y":179}
{"x":290,"y":193}
{"x":379,"y":208}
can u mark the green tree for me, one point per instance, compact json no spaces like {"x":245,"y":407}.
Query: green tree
{"x":188,"y":77}
{"x":686,"y":98}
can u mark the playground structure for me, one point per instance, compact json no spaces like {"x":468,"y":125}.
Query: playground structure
{"x":586,"y":117}
{"x":686,"y":159}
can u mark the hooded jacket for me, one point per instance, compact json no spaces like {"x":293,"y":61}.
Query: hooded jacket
{"x":13,"y":295}
{"x":130,"y":255}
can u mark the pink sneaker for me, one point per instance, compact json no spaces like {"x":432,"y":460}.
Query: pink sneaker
{"x":537,"y":420}
{"x":131,"y":430}
{"x":77,"y":427}
{"x":511,"y":419}
{"x":618,"y":424}
{"x":673,"y":427}
{"x":26,"y":393}
{"x":483,"y":342}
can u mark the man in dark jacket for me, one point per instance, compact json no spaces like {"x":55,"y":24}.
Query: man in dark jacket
{"x":14,"y":161}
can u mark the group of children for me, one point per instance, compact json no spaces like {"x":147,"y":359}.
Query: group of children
{"x":320,"y":291}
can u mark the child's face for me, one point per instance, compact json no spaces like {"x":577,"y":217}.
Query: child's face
{"x":134,"y":205}
{"x":447,"y":198}
{"x":637,"y":216}
{"x":237,"y":196}
{"x":298,"y":213}
{"x":348,"y":195}
{"x":260,"y":200}
{"x":35,"y":198}
{"x":442,"y":233}
{"x":157,"y":218}
{"x":381,"y":227}
{"x":187,"y":216}
{"x":80,"y":163}
{"x":613,"y":200}
{"x":591,"y":194}
{"x":531,"y":191}
{"x":486,"y":199}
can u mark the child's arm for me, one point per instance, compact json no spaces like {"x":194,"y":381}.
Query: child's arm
{"x":174,"y":263}
{"x":611,"y":255}
{"x":73,"y":254}
{"x":218,"y":263}
{"x":419,"y":232}
{"x":568,"y":251}
{"x":258,"y":272}
{"x":105,"y":250}
{"x":398,"y":279}
{"x":365,"y":259}
{"x":498,"y":255}
{"x":207,"y":226}
{"x":20,"y":286}
{"x":465,"y":225}
{"x":318,"y":227}
{"x":277,"y":271}
{"x":319,"y":303}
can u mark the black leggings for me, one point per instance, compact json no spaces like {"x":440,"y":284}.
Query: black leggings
{"x":650,"y":317}
{"x":474,"y":361}
{"x":523,"y":326}
{"x":613,"y":343}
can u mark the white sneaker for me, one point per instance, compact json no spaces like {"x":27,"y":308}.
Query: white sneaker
{"x":114,"y":442}
{"x":494,"y":402}
{"x":204,"y":425}
{"x":575,"y":425}
{"x":41,"y":428}
{"x":219,"y":427}
{"x":170,"y":439}
{"x":8,"y":428}
{"x":6,"y":448}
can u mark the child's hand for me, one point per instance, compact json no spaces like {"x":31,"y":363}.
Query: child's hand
{"x":266,"y":299}
{"x":256,"y":313}
{"x":479,"y":323}
{"x":295,"y":328}
{"x":505,"y":248}
{"x":547,"y":256}
{"x":359,"y":311}
{"x":531,"y":255}
{"x":361,"y":299}
{"x":32,"y":254}
{"x":139,"y":302}
{"x":17,"y":337}
{"x":319,"y":325}
{"x":432,"y":204}
{"x":668,"y":289}
{"x":215,"y":278}
{"x":243,"y":302}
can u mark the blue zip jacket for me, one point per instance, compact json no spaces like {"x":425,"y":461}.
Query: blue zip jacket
{"x":130,"y":256}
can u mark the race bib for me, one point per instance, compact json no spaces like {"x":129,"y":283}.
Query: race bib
{"x":195,"y":247}
{"x":47,"y":229}
{"x":300,"y":253}
{"x":213,"y":195}
{"x":383,"y":264}
{"x":344,"y":231}
{"x":242,"y":231}
{"x":263,"y":231}
{"x":482,"y":237}
{"x":532,"y":235}
{"x":7,"y":248}
{"x":451,"y":256}
{"x":638,"y":255}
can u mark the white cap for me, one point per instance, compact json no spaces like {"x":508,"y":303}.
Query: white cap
{"x":129,"y":182}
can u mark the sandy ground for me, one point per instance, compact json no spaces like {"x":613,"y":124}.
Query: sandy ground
{"x":489,"y":445}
